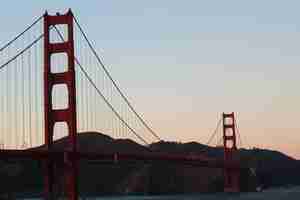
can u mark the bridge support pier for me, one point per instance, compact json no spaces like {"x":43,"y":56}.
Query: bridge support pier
{"x":71,"y":174}
{"x":67,"y":115}
{"x":48,"y":169}
{"x":231,"y":157}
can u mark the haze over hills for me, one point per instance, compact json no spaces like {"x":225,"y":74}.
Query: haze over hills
{"x":272,"y":169}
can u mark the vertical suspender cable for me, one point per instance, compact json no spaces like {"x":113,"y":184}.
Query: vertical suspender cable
{"x":112,"y":117}
{"x":93,"y":106}
{"x":23,"y":100}
{"x":238,"y":131}
{"x":39,"y":98}
{"x":90,"y":81}
{"x":5,"y":66}
{"x":90,"y":96}
{"x":35,"y":72}
{"x":114,"y":83}
{"x":29,"y":95}
{"x":1,"y":108}
{"x":22,"y":33}
{"x":86,"y":93}
{"x":82,"y":114}
{"x":7,"y":102}
{"x":15,"y":103}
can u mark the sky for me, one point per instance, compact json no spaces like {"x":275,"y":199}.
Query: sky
{"x":183,"y":63}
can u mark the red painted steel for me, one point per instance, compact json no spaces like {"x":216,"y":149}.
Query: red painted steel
{"x":231,"y":159}
{"x":66,"y":115}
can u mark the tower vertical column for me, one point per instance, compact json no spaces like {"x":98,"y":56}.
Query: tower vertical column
{"x":231,"y":158}
{"x":67,"y":115}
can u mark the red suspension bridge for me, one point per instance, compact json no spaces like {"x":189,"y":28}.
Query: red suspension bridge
{"x":54,"y":85}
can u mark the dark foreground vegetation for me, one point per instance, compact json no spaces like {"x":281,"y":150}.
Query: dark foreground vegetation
{"x":269,"y":169}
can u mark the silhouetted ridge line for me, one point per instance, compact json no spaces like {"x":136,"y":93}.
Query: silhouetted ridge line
{"x":115,"y":84}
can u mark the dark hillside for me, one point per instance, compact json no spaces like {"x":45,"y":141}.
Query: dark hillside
{"x":98,"y":142}
{"x":272,"y":169}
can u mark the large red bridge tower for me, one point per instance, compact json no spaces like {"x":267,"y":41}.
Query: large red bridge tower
{"x":67,"y":115}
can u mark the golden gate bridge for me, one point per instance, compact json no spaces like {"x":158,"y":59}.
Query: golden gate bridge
{"x":54,"y":85}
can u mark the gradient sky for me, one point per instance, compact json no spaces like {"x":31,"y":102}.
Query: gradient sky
{"x":183,"y":63}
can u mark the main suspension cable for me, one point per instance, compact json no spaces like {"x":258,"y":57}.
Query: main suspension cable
{"x":22,"y":33}
{"x":111,"y":107}
{"x":21,"y":52}
{"x":114,"y":83}
{"x":102,"y":96}
{"x":212,"y":136}
{"x":214,"y":133}
{"x":238,"y":132}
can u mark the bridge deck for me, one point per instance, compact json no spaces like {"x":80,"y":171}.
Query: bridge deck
{"x":59,"y":156}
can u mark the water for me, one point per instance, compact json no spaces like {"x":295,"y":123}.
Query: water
{"x":292,"y":193}
{"x":280,"y":194}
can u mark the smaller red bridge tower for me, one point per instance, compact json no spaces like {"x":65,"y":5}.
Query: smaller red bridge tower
{"x":231,"y":158}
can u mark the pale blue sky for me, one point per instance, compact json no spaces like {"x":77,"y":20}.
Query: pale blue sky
{"x":182,"y":63}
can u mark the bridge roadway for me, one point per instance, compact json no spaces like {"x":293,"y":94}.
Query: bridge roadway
{"x":114,"y":158}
